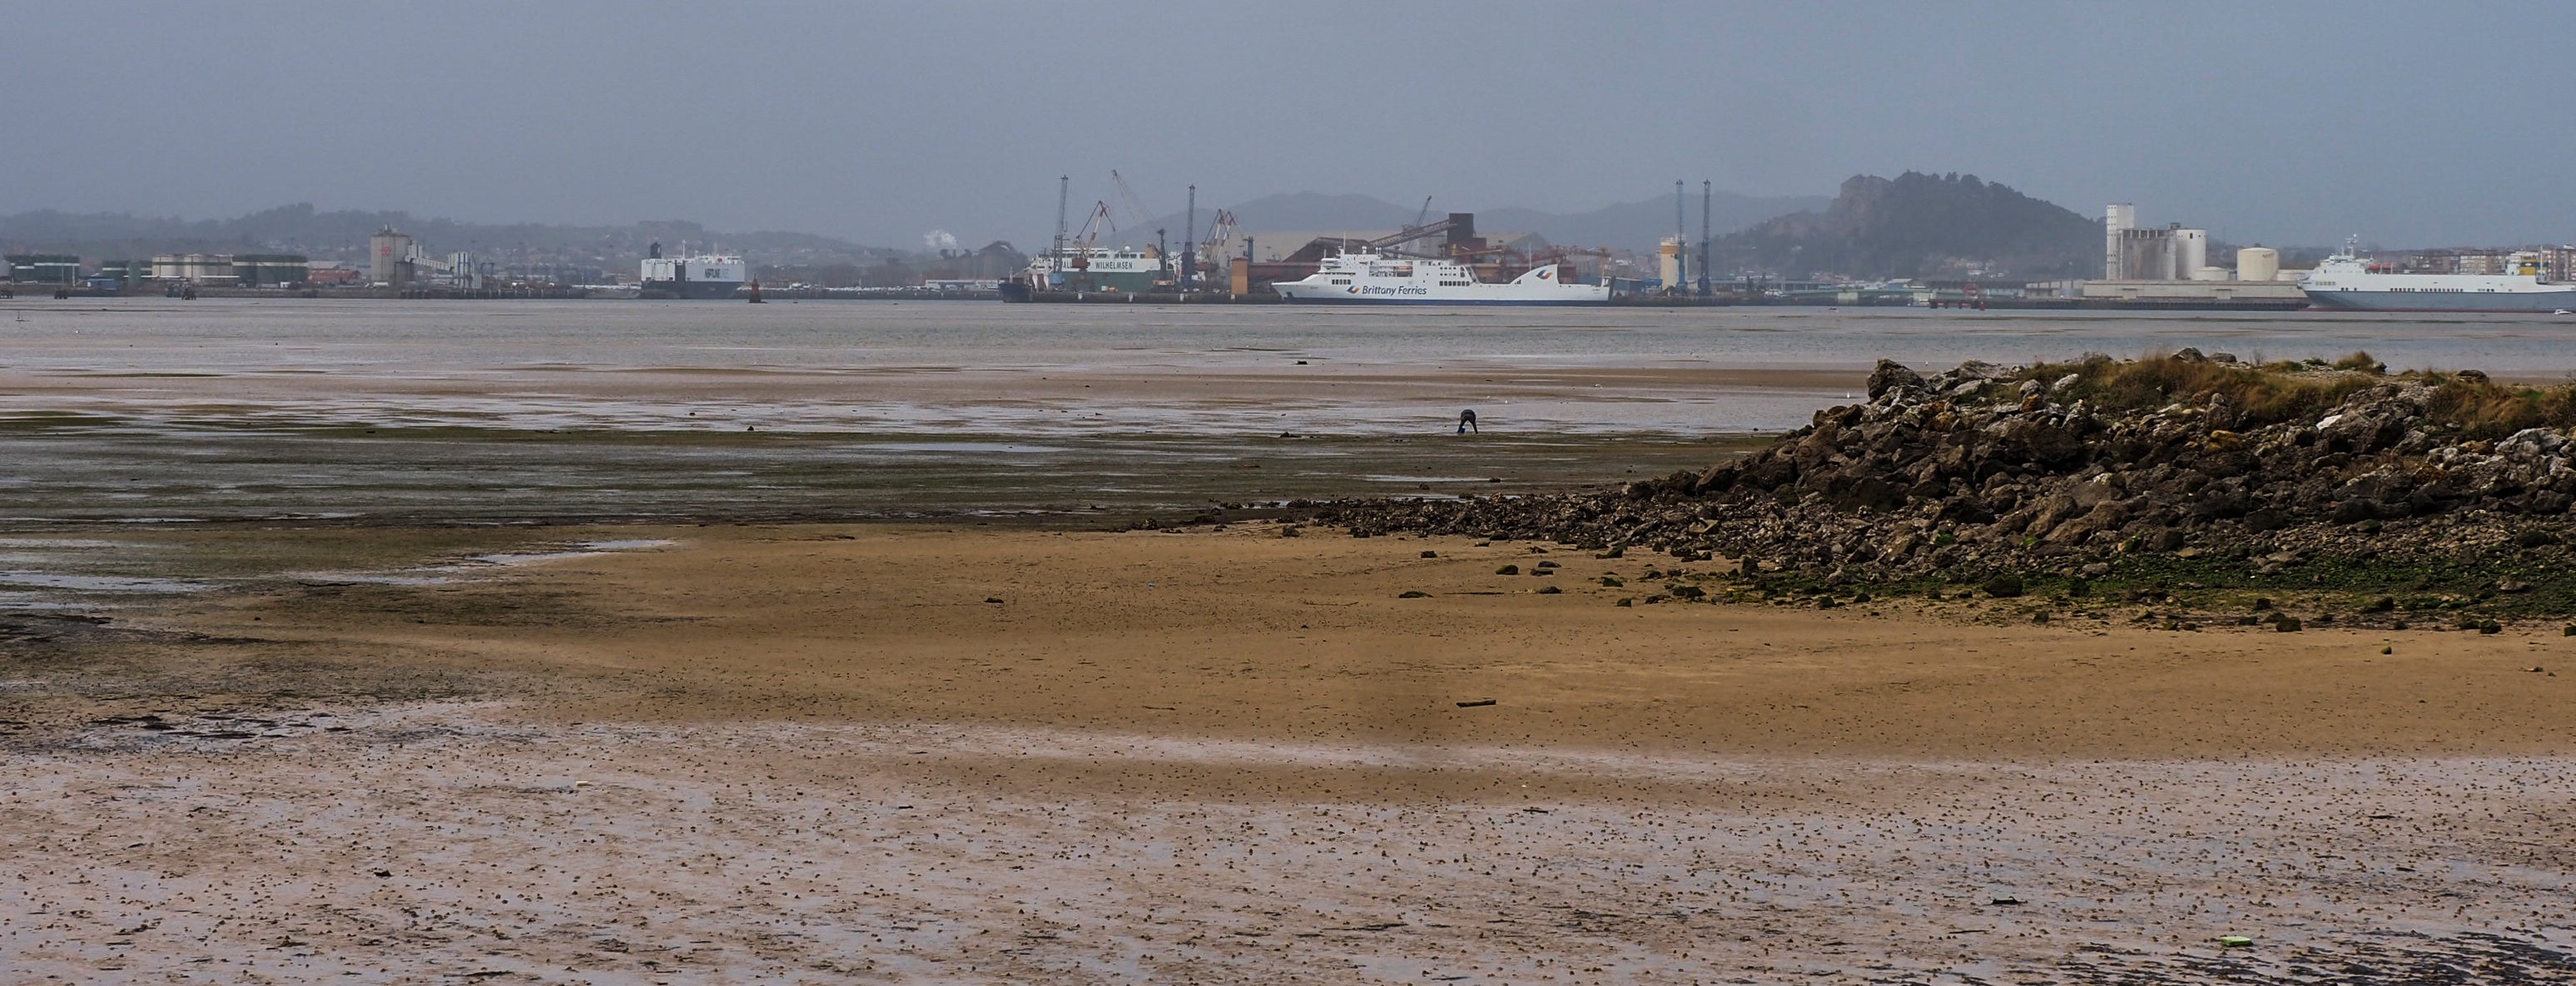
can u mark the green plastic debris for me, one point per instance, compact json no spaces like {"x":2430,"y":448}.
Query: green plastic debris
{"x":2235,"y":941}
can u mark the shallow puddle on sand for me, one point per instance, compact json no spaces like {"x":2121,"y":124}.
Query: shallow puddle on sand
{"x":585,"y":549}
{"x":97,"y":583}
{"x":113,"y":574}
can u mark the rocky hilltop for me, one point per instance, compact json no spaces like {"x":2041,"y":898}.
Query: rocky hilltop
{"x":1921,"y":225}
{"x":2176,"y":472}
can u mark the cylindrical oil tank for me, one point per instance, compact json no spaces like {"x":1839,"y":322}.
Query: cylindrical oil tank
{"x":2258,"y":264}
{"x":2206,"y":272}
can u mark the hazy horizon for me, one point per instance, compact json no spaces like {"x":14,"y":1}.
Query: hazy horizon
{"x":2282,"y":123}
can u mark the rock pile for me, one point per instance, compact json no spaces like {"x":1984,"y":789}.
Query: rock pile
{"x":2061,"y":469}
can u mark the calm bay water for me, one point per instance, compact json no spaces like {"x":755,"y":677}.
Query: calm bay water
{"x":151,"y":409}
{"x":434,"y":338}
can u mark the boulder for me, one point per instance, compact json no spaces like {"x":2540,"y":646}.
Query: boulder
{"x":1892,"y":376}
{"x":2006,"y":473}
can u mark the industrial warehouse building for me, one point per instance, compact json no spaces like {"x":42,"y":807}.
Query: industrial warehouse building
{"x":269,"y":270}
{"x":194,"y":268}
{"x":249,"y":270}
{"x":44,"y":268}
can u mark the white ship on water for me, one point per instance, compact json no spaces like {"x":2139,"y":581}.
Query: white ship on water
{"x":1379,"y":279}
{"x":2349,"y":282}
{"x":697,"y":276}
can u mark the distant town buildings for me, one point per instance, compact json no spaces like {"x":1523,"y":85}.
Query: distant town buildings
{"x":331,"y":273}
{"x":2555,"y":261}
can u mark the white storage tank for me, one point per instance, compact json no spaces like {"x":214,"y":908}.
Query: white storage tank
{"x":2206,"y":272}
{"x":2258,"y":264}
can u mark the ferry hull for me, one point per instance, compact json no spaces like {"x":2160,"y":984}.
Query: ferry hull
{"x":2410,"y":301}
{"x":1329,"y":299}
{"x":692,"y":290}
{"x":1377,"y":279}
{"x":2348,"y":282}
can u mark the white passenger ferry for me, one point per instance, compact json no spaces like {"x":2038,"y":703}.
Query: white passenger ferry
{"x":1377,"y":279}
{"x":2347,"y":281}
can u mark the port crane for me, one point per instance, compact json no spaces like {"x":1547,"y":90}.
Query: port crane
{"x":1089,"y":237}
{"x":1136,"y":211}
{"x":1220,"y":231}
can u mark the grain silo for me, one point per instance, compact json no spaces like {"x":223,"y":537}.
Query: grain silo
{"x":2190,"y":252}
{"x":2117,"y":219}
{"x":389,"y":257}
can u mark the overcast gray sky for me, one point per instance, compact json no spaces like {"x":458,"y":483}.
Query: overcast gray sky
{"x":2409,"y":123}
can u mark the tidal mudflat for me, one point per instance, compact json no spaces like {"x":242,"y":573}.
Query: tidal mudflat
{"x":828,"y":752}
{"x":539,"y":643}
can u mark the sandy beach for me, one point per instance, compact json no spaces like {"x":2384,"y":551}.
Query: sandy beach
{"x":447,"y":642}
{"x":981,"y":754}
{"x":714,"y":494}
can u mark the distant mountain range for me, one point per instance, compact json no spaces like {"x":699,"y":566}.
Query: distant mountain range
{"x":342,"y":235}
{"x":1908,"y":226}
{"x":1626,"y":225}
{"x":1921,"y":225}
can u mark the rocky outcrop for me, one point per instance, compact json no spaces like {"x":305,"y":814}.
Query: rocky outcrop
{"x":1921,"y":225}
{"x":1986,"y":469}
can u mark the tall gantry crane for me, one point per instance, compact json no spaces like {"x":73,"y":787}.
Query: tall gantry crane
{"x":1100,"y":222}
{"x":1219,"y":233}
{"x":1136,"y":211}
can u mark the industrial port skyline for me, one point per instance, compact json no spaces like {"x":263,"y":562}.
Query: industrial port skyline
{"x":1647,"y":220}
{"x":1488,"y":491}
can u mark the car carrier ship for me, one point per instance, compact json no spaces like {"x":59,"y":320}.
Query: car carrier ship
{"x":2348,"y":282}
{"x":699,"y":276}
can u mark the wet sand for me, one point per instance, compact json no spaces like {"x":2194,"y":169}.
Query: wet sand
{"x":409,"y":413}
{"x":932,"y":399}
{"x":308,"y":671}
{"x":838,"y":753}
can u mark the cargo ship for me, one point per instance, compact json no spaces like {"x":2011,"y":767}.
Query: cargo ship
{"x":2347,"y":282}
{"x":1092,"y":268}
{"x":1383,"y":279}
{"x":694,"y":276}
